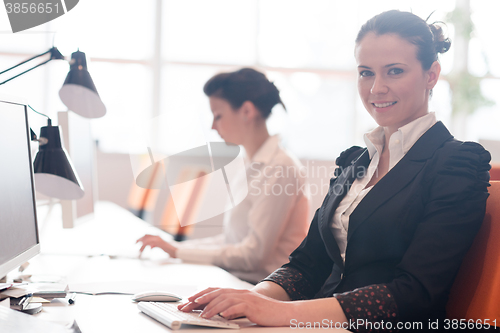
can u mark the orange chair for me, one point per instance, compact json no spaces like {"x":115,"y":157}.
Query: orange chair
{"x":148,"y":201}
{"x":141,"y":201}
{"x":495,"y":171}
{"x":187,"y":204}
{"x":476,"y":291}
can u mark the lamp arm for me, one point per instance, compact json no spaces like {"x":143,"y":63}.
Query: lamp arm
{"x":34,"y":137}
{"x":22,"y":63}
{"x":50,"y":121}
{"x":54,"y":54}
{"x":43,"y":63}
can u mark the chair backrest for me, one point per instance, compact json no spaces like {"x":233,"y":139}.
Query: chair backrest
{"x":495,"y":171}
{"x":141,"y":201}
{"x":476,"y":291}
{"x":173,"y":209}
{"x":187,"y":202}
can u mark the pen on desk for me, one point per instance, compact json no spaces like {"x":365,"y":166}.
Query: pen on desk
{"x":71,"y":298}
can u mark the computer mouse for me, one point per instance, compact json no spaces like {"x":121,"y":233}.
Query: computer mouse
{"x":156,"y":296}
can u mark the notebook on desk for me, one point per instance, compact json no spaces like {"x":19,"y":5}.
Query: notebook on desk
{"x":128,"y":288}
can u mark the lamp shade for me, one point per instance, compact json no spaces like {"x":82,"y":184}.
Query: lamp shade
{"x":78,"y":92}
{"x":54,"y":173}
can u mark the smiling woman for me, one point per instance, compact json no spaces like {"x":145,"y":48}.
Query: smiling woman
{"x":393,"y":83}
{"x":384,"y":248}
{"x":389,"y":78}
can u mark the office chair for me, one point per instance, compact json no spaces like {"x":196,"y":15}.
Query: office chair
{"x":187,"y":204}
{"x":141,"y":201}
{"x":476,"y":291}
{"x":495,"y":171}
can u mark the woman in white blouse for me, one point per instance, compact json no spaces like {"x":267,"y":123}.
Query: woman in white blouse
{"x":272,"y":220}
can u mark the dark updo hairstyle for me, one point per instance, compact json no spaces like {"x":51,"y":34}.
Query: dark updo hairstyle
{"x":428,"y":38}
{"x":245,"y":84}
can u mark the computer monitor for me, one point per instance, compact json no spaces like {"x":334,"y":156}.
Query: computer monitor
{"x":19,"y":240}
{"x":79,"y":143}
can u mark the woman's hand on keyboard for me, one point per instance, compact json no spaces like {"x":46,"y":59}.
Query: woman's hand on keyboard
{"x":156,"y":241}
{"x":233,"y":303}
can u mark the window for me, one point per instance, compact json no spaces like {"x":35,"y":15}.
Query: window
{"x":149,"y":60}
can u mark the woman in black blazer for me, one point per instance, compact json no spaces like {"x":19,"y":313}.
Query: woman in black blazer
{"x":384,"y":248}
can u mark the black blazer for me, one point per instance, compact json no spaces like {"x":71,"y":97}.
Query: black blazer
{"x":410,"y":232}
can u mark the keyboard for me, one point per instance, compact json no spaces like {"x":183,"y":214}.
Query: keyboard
{"x":169,"y":315}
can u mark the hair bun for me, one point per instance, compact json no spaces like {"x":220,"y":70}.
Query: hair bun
{"x":441,"y":43}
{"x":245,"y":84}
{"x":443,"y":46}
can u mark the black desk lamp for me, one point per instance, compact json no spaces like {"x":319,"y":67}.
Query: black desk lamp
{"x":78,"y":92}
{"x":54,"y":172}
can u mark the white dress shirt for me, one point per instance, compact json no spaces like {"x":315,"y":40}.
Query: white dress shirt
{"x":266,"y":226}
{"x":400,"y":143}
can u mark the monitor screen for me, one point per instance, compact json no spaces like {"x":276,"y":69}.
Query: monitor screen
{"x":19,"y":240}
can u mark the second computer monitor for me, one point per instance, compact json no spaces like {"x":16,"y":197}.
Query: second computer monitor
{"x":19,"y":239}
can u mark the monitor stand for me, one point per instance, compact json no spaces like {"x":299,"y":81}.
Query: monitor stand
{"x":31,"y":309}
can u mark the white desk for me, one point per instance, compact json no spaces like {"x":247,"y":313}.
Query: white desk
{"x":117,"y":313}
{"x":77,"y":255}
